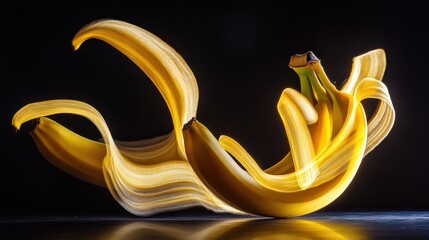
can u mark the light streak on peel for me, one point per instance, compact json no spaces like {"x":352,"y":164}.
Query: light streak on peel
{"x":327,"y":130}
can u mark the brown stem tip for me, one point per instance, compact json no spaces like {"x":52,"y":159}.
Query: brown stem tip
{"x":189,"y":123}
{"x":302,"y":60}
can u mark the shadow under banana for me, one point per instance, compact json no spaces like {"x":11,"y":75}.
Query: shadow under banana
{"x":327,"y":130}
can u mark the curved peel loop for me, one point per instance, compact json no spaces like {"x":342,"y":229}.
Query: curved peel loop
{"x":161,"y":63}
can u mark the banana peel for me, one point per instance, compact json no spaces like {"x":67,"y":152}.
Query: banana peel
{"x":327,"y":129}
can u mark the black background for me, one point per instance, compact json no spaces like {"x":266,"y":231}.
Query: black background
{"x":239,"y":55}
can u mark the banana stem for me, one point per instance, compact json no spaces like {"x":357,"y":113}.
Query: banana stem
{"x":310,"y":84}
{"x":306,"y":88}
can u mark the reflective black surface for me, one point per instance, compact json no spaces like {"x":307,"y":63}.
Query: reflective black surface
{"x":324,"y":225}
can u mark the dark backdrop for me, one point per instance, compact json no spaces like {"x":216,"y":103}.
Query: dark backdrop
{"x":239,"y":55}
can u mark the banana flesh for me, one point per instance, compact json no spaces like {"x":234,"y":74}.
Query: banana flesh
{"x":70,"y":152}
{"x":327,"y":130}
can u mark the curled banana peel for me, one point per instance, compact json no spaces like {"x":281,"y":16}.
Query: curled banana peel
{"x":327,"y":130}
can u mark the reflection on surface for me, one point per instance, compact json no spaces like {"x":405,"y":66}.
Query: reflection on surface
{"x":336,"y":225}
{"x":237,"y":229}
{"x":189,"y":228}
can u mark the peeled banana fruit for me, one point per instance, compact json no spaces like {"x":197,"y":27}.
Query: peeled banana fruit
{"x":327,"y":129}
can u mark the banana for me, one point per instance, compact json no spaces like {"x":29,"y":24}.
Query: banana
{"x":331,"y":99}
{"x":68,"y":151}
{"x":322,"y":130}
{"x":327,"y":131}
{"x":261,"y":193}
